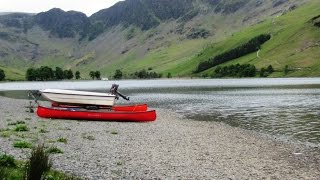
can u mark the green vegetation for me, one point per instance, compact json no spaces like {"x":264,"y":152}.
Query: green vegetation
{"x":251,"y":46}
{"x":21,"y":127}
{"x":43,"y":131}
{"x":5,"y":134}
{"x":143,"y":74}
{"x":287,"y":47}
{"x":77,"y":75}
{"x":264,"y":72}
{"x":118,"y":74}
{"x":2,"y":75}
{"x":95,"y":74}
{"x":114,"y":132}
{"x":16,"y":123}
{"x":245,"y":70}
{"x":54,"y":150}
{"x":38,"y":166}
{"x":63,"y":140}
{"x":89,"y":137}
{"x":171,"y":37}
{"x":45,"y":73}
{"x":22,"y":144}
{"x":7,"y":161}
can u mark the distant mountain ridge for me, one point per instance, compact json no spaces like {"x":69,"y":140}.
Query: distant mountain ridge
{"x":131,"y":35}
{"x":144,"y":14}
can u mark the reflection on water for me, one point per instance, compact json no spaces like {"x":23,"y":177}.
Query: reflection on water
{"x":288,"y":108}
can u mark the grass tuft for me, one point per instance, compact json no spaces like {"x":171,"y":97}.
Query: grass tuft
{"x":38,"y":164}
{"x":54,"y":150}
{"x":89,"y":137}
{"x":43,"y":131}
{"x":22,"y":144}
{"x":114,"y":132}
{"x":21,"y":127}
{"x":16,"y":123}
{"x":63,"y":140}
{"x":5,"y":134}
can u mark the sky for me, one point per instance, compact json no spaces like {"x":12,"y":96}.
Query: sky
{"x":35,"y":6}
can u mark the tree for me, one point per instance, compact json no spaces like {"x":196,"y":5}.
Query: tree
{"x":263,"y":72}
{"x":45,"y":73}
{"x":286,"y":69}
{"x":31,"y":74}
{"x":118,"y":74}
{"x":169,"y":75}
{"x":251,"y":46}
{"x":270,"y":69}
{"x":2,"y":75}
{"x":58,"y":73}
{"x":68,"y":74}
{"x":97,"y":74}
{"x":92,"y":74}
{"x":77,"y":75}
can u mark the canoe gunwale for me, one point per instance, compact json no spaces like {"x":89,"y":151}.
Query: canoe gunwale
{"x":78,"y":114}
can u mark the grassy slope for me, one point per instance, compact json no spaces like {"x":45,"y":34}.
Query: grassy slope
{"x":12,"y":73}
{"x":295,"y":42}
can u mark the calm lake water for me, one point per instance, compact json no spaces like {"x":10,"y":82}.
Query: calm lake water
{"x":286,"y":108}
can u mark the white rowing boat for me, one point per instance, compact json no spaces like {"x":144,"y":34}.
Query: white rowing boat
{"x":78,"y":97}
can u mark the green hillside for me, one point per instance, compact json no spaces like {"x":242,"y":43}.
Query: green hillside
{"x":295,"y":42}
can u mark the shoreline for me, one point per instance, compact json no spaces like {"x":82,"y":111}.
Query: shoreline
{"x":169,"y":148}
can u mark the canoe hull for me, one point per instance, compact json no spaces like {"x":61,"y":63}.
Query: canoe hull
{"x":136,"y":107}
{"x":69,"y":113}
{"x":78,"y":97}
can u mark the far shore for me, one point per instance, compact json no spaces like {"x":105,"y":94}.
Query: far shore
{"x":172,"y":147}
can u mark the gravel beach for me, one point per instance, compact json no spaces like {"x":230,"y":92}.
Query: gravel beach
{"x":172,"y":147}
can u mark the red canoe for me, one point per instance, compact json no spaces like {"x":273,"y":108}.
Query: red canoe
{"x":79,"y":114}
{"x":136,"y":107}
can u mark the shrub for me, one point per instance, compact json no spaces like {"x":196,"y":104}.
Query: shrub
{"x":7,"y":161}
{"x":38,"y":164}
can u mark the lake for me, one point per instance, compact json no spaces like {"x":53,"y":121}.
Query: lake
{"x":287,"y":108}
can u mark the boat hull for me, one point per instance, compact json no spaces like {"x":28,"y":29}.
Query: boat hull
{"x":78,"y":114}
{"x":78,"y":97}
{"x":136,"y":107}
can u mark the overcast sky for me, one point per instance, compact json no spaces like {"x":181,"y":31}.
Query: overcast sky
{"x":35,"y":6}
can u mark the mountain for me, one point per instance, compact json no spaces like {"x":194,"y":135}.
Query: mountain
{"x":165,"y":36}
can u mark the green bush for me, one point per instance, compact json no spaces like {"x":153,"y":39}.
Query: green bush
{"x":7,"y":161}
